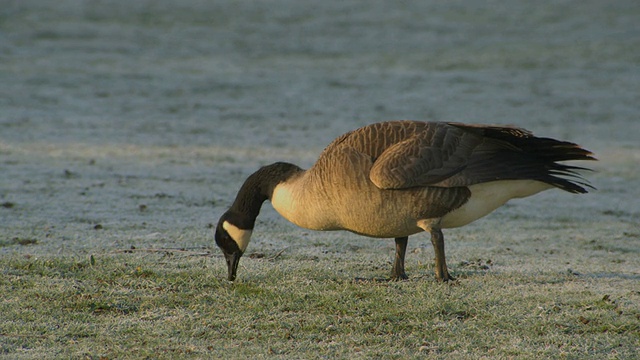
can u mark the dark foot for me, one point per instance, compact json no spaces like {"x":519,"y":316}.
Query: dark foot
{"x":445,"y":278}
{"x":399,"y":277}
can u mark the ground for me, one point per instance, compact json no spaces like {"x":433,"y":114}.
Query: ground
{"x":127,"y":127}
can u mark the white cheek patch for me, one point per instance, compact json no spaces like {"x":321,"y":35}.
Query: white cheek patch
{"x":241,"y":237}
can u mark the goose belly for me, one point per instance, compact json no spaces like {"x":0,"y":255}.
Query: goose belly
{"x":368,"y":213}
{"x":378,"y":214}
{"x":486,"y":197}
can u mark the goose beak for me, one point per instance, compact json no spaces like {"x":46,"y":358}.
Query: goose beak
{"x":232,"y":263}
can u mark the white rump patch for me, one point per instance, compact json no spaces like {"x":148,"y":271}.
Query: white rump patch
{"x":240,"y":236}
{"x":486,"y":197}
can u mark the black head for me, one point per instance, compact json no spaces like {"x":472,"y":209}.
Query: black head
{"x":234,"y":228}
{"x":232,"y":239}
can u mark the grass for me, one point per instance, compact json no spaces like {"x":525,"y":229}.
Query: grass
{"x":159,"y":305}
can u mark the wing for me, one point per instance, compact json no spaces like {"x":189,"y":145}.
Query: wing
{"x":426,"y":158}
{"x":406,"y":154}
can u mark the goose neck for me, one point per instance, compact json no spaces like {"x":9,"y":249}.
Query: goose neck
{"x":259,"y":187}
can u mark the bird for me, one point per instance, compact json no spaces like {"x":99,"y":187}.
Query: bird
{"x":398,"y":178}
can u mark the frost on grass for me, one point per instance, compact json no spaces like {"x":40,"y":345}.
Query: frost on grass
{"x":126,"y":129}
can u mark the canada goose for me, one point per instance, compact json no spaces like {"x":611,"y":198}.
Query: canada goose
{"x":395,"y":179}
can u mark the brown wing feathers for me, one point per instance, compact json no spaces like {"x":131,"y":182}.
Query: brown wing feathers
{"x":425,"y":158}
{"x":411,"y":153}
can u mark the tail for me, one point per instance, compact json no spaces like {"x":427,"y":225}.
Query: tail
{"x":511,"y":154}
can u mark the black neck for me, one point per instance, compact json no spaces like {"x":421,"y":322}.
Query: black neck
{"x":259,"y":187}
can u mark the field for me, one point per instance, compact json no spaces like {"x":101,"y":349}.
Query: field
{"x":126,"y":129}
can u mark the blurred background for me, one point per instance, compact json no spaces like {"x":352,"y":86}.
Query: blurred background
{"x":138,"y":120}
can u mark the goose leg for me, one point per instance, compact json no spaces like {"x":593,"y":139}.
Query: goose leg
{"x":437,"y":239}
{"x":398,"y":265}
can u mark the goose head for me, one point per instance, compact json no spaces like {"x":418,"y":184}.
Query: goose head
{"x":236,"y":225}
{"x":232,"y":239}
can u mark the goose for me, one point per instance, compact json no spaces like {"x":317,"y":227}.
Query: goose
{"x":397,"y":178}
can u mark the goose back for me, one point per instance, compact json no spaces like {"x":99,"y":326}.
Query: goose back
{"x":409,"y":154}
